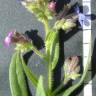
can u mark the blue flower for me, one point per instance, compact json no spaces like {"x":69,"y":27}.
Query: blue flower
{"x":81,"y":16}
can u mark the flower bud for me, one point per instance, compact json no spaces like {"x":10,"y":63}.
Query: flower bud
{"x":71,"y":68}
{"x":20,"y":38}
{"x":16,"y":38}
{"x":52,"y":5}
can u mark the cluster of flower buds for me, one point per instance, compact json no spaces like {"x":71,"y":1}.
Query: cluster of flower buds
{"x":71,"y":68}
{"x":15,"y":37}
{"x":32,"y":6}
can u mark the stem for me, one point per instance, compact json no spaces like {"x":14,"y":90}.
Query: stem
{"x":49,"y":77}
{"x":66,"y":79}
{"x":58,"y":89}
{"x":29,"y":73}
{"x":46,"y":26}
{"x":48,"y":56}
{"x":37,"y":52}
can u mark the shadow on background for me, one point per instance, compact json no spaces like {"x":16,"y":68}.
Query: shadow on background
{"x":38,"y":42}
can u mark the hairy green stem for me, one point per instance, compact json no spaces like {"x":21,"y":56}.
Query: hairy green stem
{"x":58,"y":89}
{"x":46,"y":33}
{"x":49,"y":77}
{"x":48,"y":56}
{"x":46,"y":26}
{"x":29,"y":73}
{"x":60,"y":86}
{"x":37,"y":52}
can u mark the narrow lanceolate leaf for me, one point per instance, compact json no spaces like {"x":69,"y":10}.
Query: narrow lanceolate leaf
{"x":56,"y":56}
{"x":29,"y":73}
{"x":14,"y":86}
{"x":49,"y":40}
{"x":21,"y":76}
{"x":54,"y":51}
{"x":40,"y":88}
{"x":52,"y":45}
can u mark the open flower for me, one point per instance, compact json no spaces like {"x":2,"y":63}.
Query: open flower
{"x":52,"y":5}
{"x":81,"y":16}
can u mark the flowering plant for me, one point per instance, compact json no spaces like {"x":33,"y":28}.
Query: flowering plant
{"x":45,"y":10}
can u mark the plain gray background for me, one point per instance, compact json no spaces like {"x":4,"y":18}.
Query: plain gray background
{"x":15,"y":16}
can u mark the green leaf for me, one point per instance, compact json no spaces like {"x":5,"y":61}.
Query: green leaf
{"x":29,"y":73}
{"x":21,"y":76}
{"x":54,"y":50}
{"x":52,"y":45}
{"x":40,"y":89}
{"x":14,"y":86}
{"x":56,"y":56}
{"x":48,"y":41}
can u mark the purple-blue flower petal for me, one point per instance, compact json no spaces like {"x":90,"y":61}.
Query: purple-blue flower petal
{"x":81,"y":22}
{"x":81,"y":18}
{"x":8,"y":38}
{"x":77,"y":9}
